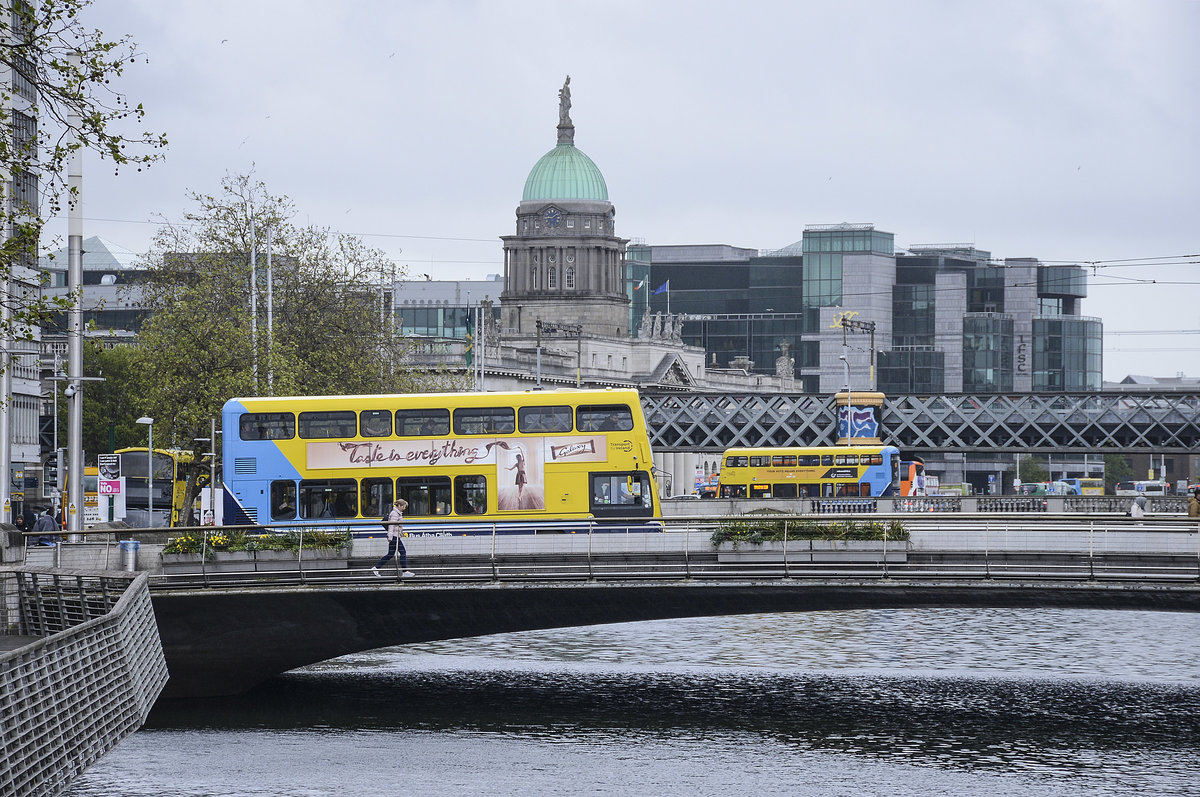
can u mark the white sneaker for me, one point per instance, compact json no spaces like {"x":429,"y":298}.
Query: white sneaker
{"x":406,"y":574}
{"x":375,"y":570}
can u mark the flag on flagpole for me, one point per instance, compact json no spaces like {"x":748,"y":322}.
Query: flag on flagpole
{"x":639,"y":285}
{"x":666,"y":286}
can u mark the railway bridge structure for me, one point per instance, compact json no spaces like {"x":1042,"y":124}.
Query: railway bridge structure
{"x":1035,"y":423}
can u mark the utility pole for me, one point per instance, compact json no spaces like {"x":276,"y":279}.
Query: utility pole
{"x":539,"y":353}
{"x":858,"y":326}
{"x":73,"y":514}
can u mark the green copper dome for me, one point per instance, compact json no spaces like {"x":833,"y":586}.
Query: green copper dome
{"x":565,"y":173}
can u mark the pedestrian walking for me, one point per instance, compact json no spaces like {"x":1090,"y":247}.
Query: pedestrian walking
{"x":1138,"y":509}
{"x":1194,"y":504}
{"x":395,"y":530}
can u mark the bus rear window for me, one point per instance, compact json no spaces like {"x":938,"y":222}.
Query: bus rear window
{"x":267,"y":426}
{"x":328,"y":425}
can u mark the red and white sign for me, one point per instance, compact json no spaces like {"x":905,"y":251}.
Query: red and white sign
{"x":109,"y":487}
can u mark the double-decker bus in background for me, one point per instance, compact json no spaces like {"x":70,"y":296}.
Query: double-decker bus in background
{"x":1084,"y":486}
{"x":816,"y":472}
{"x":912,"y":476}
{"x":170,"y":486}
{"x":515,"y":462}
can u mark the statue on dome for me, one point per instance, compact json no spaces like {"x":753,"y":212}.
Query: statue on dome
{"x":564,"y":103}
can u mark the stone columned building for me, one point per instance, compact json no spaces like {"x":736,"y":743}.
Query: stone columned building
{"x":565,"y":264}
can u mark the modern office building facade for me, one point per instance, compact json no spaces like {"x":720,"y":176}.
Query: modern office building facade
{"x":927,"y":320}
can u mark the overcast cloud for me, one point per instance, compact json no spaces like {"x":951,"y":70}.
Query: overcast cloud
{"x":1065,"y":130}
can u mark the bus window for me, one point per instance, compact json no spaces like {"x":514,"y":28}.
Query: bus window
{"x":808,"y":460}
{"x":328,"y":498}
{"x":618,"y":494}
{"x":283,"y":500}
{"x":532,"y":420}
{"x":760,"y":491}
{"x":604,"y":418}
{"x":785,"y":461}
{"x":267,"y":426}
{"x":826,"y":460}
{"x":422,"y":423}
{"x":328,"y":425}
{"x":760,"y":461}
{"x":785,"y":490}
{"x":846,"y":459}
{"x":375,"y":423}
{"x":806,"y":490}
{"x":733,"y":491}
{"x":375,"y":497}
{"x":484,"y":420}
{"x":736,"y":462}
{"x":470,"y":495}
{"x":428,"y":495}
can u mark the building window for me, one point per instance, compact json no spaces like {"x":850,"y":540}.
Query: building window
{"x":533,"y":283}
{"x":552,"y":277}
{"x":569,"y":277}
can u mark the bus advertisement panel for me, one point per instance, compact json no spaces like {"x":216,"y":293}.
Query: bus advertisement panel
{"x":526,"y":460}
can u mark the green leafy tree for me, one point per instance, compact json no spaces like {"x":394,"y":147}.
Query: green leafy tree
{"x":111,"y":407}
{"x":331,"y":329}
{"x":1032,"y":469}
{"x":1116,"y":469}
{"x":61,"y":99}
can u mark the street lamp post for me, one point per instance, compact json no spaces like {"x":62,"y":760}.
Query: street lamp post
{"x":149,"y":422}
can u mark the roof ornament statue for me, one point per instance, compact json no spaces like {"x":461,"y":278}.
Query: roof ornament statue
{"x":566,"y":130}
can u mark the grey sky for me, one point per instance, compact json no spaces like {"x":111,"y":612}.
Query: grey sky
{"x":1059,"y":129}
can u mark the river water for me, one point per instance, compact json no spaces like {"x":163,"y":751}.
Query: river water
{"x":896,"y":702}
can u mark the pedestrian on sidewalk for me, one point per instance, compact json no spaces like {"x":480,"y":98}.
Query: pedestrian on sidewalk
{"x":395,"y":530}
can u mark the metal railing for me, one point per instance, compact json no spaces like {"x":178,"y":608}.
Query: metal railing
{"x":81,"y":664}
{"x":931,"y":544}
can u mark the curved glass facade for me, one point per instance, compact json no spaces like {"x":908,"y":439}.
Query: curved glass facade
{"x":1067,"y":353}
{"x":1062,"y":281}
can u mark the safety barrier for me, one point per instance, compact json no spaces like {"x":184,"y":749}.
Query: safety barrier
{"x":81,"y":664}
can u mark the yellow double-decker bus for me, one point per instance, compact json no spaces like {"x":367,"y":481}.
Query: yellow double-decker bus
{"x":170,"y":468}
{"x":512,"y":462}
{"x":816,"y":472}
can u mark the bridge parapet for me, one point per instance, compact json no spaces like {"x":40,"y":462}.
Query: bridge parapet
{"x":81,"y":664}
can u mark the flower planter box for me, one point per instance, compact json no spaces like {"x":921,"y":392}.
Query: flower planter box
{"x":805,"y":551}
{"x":256,"y":561}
